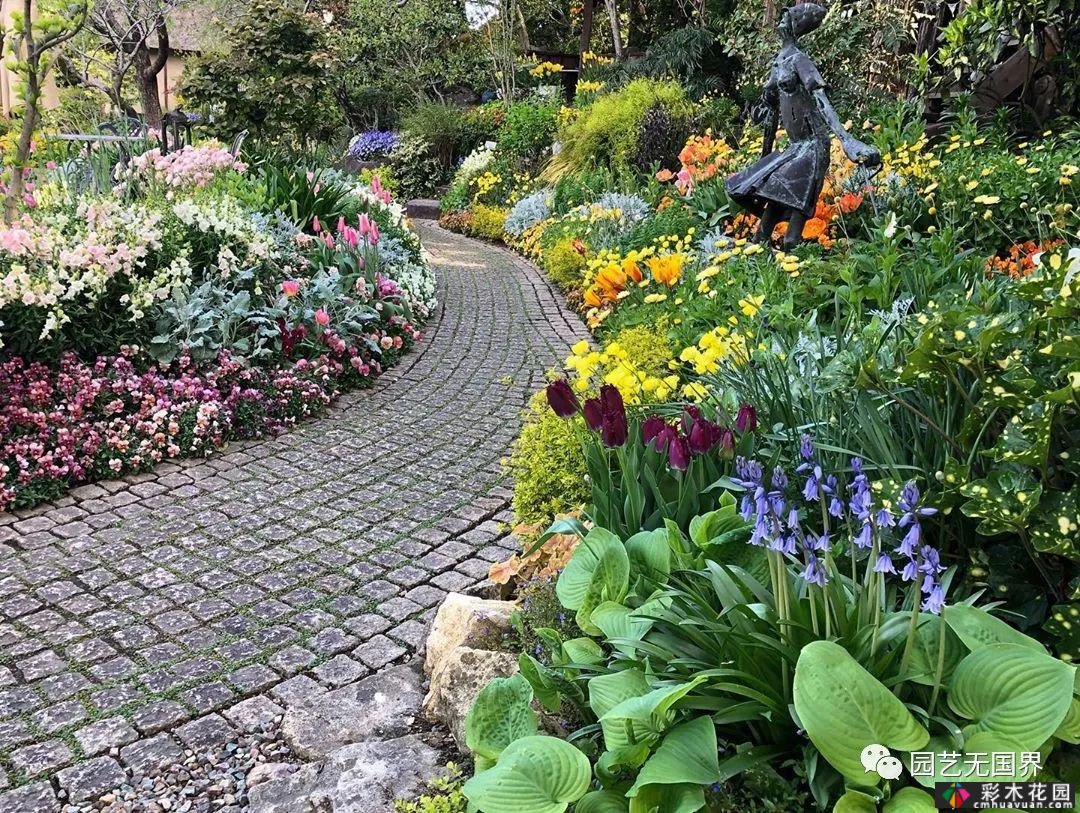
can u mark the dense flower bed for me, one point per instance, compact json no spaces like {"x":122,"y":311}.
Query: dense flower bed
{"x":184,"y":307}
{"x":796,"y":470}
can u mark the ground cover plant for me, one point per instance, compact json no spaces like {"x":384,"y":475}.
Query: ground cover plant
{"x":196,"y":301}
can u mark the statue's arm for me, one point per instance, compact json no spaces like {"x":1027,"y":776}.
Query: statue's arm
{"x":856,"y":150}
{"x":770,"y":97}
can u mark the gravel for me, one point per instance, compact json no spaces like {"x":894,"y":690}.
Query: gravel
{"x":201,"y":782}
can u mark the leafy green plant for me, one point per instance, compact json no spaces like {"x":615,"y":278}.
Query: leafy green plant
{"x":445,"y":795}
{"x":416,"y":167}
{"x":440,"y":126}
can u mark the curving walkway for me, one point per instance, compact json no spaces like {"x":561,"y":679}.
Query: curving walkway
{"x":136,"y":614}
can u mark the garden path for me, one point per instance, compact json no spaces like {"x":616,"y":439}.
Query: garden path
{"x":135,"y":614}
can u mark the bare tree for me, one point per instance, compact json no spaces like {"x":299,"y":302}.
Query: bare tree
{"x":135,"y":35}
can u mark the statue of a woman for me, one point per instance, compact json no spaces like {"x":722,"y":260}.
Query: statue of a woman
{"x":784,"y":185}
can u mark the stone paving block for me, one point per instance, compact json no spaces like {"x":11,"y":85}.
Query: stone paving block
{"x":255,"y":712}
{"x":102,"y":736}
{"x":41,"y":757}
{"x":159,"y":716}
{"x":299,"y":689}
{"x":89,"y":780}
{"x":145,"y":755}
{"x":38,"y":797}
{"x":378,"y":652}
{"x":340,"y":670}
{"x":253,"y":678}
{"x":205,"y":734}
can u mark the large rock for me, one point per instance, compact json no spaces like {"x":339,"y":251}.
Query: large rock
{"x":363,"y":778}
{"x":382,"y":706}
{"x":465,"y":621}
{"x":463,"y":673}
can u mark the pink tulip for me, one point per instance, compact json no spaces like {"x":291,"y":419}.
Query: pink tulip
{"x":322,"y":317}
{"x":364,"y":224}
{"x":340,"y":224}
{"x":290,"y":287}
{"x":374,"y":234}
{"x":316,"y":226}
{"x":328,"y":238}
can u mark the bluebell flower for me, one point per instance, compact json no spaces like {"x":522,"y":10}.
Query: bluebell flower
{"x":931,"y":560}
{"x":793,"y":518}
{"x":884,"y":564}
{"x":819,"y":543}
{"x":806,"y":447}
{"x":810,"y":490}
{"x":865,"y":537}
{"x":861,"y":503}
{"x":910,"y":540}
{"x":779,"y":479}
{"x":911,"y":571}
{"x":815,"y":573}
{"x":935,"y":601}
{"x":884,"y":518}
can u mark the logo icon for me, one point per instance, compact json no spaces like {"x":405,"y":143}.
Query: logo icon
{"x":877,"y":759}
{"x":955,"y":795}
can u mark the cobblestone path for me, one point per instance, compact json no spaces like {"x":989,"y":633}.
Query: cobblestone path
{"x":136,"y":614}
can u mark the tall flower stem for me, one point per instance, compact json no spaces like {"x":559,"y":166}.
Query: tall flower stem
{"x":913,"y":629}
{"x":940,"y":668}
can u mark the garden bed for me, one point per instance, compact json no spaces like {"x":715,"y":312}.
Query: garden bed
{"x":191,"y":301}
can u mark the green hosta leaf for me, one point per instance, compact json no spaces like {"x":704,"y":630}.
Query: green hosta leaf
{"x":855,"y":802}
{"x":643,"y":719}
{"x":533,"y":775}
{"x":844,"y":709}
{"x":598,"y":571}
{"x":924,"y":655}
{"x":687,"y":754}
{"x":668,"y":799}
{"x":977,"y":628}
{"x":910,"y":800}
{"x":539,"y":677}
{"x":650,"y":558}
{"x":1069,"y":730}
{"x":583,"y":650}
{"x":1026,"y":437}
{"x":602,"y":801}
{"x":617,"y":621}
{"x":1064,"y":622}
{"x":500,"y":714}
{"x":608,"y":691}
{"x":1013,"y":691}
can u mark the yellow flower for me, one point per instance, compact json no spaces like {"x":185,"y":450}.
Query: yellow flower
{"x":987,"y":200}
{"x":652,"y":299}
{"x":694,"y":391}
{"x":751,"y":305}
{"x":971,"y":185}
{"x":581,"y":348}
{"x":667,"y":269}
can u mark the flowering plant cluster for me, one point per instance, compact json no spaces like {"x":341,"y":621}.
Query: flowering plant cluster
{"x":235,"y":321}
{"x":371,"y":145}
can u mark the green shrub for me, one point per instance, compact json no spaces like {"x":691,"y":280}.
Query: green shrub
{"x":415,"y":167}
{"x":526,"y":134}
{"x":564,"y":264}
{"x":609,"y":130}
{"x":648,"y":346}
{"x":547,"y":466}
{"x":441,"y":126}
{"x":675,"y":219}
{"x":488,"y":221}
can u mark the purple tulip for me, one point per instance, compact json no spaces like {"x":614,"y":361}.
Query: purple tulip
{"x":679,"y":453}
{"x":651,"y":427}
{"x":594,"y":415}
{"x":746,"y":420}
{"x":562,"y":399}
{"x":613,"y":427}
{"x":703,"y":436}
{"x":691,"y":415}
{"x":726,"y":444}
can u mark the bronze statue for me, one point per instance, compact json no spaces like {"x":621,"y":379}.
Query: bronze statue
{"x":785,"y":185}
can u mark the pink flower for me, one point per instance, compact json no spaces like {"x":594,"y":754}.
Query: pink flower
{"x":364,"y":224}
{"x":322,"y":317}
{"x":316,"y":226}
{"x":374,"y":235}
{"x":386,"y":342}
{"x":290,"y":287}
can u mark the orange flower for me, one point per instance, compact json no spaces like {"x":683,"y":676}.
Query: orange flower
{"x":849,"y":202}
{"x":592,"y":298}
{"x":611,"y":281}
{"x":815,"y":227}
{"x":665,"y":175}
{"x":666,"y":270}
{"x":632,"y":270}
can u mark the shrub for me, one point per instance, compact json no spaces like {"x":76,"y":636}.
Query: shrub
{"x":441,"y":126}
{"x":527,"y":133}
{"x":528,"y":212}
{"x":565,"y":264}
{"x":674,"y":220}
{"x":488,"y":221}
{"x":648,"y":346}
{"x":609,"y":130}
{"x":547,"y":466}
{"x":415,"y":167}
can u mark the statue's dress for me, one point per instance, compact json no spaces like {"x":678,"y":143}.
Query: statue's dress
{"x":793,"y":177}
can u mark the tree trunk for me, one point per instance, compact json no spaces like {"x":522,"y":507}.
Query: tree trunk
{"x":584,"y":45}
{"x":17,"y":187}
{"x":146,"y":79}
{"x":616,"y":37}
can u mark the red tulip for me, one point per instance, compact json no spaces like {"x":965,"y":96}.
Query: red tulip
{"x":613,"y":414}
{"x":679,"y":454}
{"x":746,"y":420}
{"x":594,"y":415}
